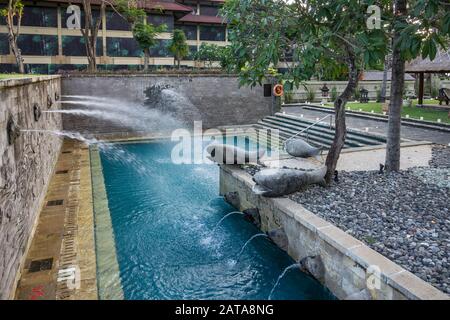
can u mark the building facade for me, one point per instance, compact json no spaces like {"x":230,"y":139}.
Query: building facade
{"x":49,"y":44}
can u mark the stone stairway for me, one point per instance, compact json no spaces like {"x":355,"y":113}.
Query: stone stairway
{"x":321,"y":134}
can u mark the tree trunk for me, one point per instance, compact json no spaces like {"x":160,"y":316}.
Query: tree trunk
{"x":17,"y":53}
{"x":13,"y":35}
{"x":384,"y":83}
{"x":90,"y":33}
{"x":146,"y":58}
{"x":397,"y":85}
{"x":179,"y":62}
{"x":339,"y":110}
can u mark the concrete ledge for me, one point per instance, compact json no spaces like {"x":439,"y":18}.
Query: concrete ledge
{"x":15,"y":82}
{"x":148,"y":75}
{"x":345,"y":258}
{"x":108,"y":271}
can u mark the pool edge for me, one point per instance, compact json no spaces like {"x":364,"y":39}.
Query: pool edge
{"x":108,"y":271}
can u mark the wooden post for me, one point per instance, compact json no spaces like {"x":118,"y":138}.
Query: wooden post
{"x":421,"y":86}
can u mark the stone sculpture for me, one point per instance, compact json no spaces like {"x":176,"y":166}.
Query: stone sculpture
{"x":228,"y":154}
{"x":280,"y":182}
{"x":301,"y":148}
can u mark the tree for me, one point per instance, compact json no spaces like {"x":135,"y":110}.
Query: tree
{"x":208,"y":53}
{"x":13,"y":15}
{"x":419,"y":27}
{"x":90,"y":32}
{"x":303,"y":34}
{"x":143,"y":32}
{"x":146,"y":35}
{"x":178,"y":47}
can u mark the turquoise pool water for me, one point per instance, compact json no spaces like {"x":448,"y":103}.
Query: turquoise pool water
{"x":163,"y":221}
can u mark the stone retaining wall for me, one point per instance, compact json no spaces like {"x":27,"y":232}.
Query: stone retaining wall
{"x":300,"y":94}
{"x":350,"y":269}
{"x":26,"y":165}
{"x":216,"y":100}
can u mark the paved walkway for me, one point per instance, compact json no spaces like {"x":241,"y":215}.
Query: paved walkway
{"x":378,"y":127}
{"x":63,"y":244}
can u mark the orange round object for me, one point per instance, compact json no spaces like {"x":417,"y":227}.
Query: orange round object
{"x":278,"y":90}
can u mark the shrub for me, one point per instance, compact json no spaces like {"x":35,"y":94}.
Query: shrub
{"x":334,"y":94}
{"x":288,"y":96}
{"x":310,"y":94}
{"x":378,"y":90}
{"x":357,"y":94}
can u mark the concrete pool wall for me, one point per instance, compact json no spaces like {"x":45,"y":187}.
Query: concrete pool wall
{"x":217,"y":98}
{"x":26,"y":164}
{"x":348,"y":266}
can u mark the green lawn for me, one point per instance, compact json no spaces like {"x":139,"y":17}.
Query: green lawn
{"x":4,"y":76}
{"x":413,"y":112}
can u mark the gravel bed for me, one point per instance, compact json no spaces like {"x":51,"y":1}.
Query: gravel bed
{"x":440,"y":157}
{"x":396,"y":214}
{"x":404,"y":216}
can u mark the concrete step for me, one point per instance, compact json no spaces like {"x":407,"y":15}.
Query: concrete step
{"x":317,"y":138}
{"x":366,"y":138}
{"x":326,"y":132}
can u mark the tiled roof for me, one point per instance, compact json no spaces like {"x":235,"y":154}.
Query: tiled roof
{"x":441,"y":63}
{"x":144,"y":4}
{"x":202,"y":19}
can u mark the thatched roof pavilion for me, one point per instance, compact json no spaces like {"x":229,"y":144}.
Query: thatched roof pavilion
{"x":440,"y":64}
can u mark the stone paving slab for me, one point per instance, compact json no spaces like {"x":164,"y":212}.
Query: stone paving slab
{"x":362,"y":159}
{"x":65,"y":233}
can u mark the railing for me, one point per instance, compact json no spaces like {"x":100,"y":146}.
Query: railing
{"x":309,"y":127}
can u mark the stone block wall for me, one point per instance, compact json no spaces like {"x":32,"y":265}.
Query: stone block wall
{"x":300,"y":94}
{"x":216,"y":100}
{"x":26,"y":166}
{"x":351,"y":270}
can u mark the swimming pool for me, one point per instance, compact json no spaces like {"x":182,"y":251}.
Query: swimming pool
{"x":167,"y":242}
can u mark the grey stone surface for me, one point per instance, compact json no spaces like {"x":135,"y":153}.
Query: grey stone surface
{"x":216,"y":100}
{"x":25,"y":168}
{"x":314,"y":266}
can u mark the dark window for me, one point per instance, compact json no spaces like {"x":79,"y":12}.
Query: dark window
{"x":2,"y":19}
{"x":38,"y":45}
{"x":39,"y":17}
{"x":75,"y":46}
{"x":65,"y":16}
{"x":116,"y":67}
{"x":212,"y":33}
{"x":123,"y":47}
{"x":4,"y":44}
{"x":189,"y":30}
{"x":209,"y":10}
{"x":161,"y":19}
{"x":116,"y":22}
{"x":161,"y":50}
{"x":192,"y":51}
{"x":8,"y":68}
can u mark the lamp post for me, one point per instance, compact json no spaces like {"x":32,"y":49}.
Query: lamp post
{"x":325,"y":92}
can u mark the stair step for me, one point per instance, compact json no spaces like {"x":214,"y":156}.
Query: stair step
{"x":325,"y":133}
{"x":319,"y":139}
{"x":296,"y":120}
